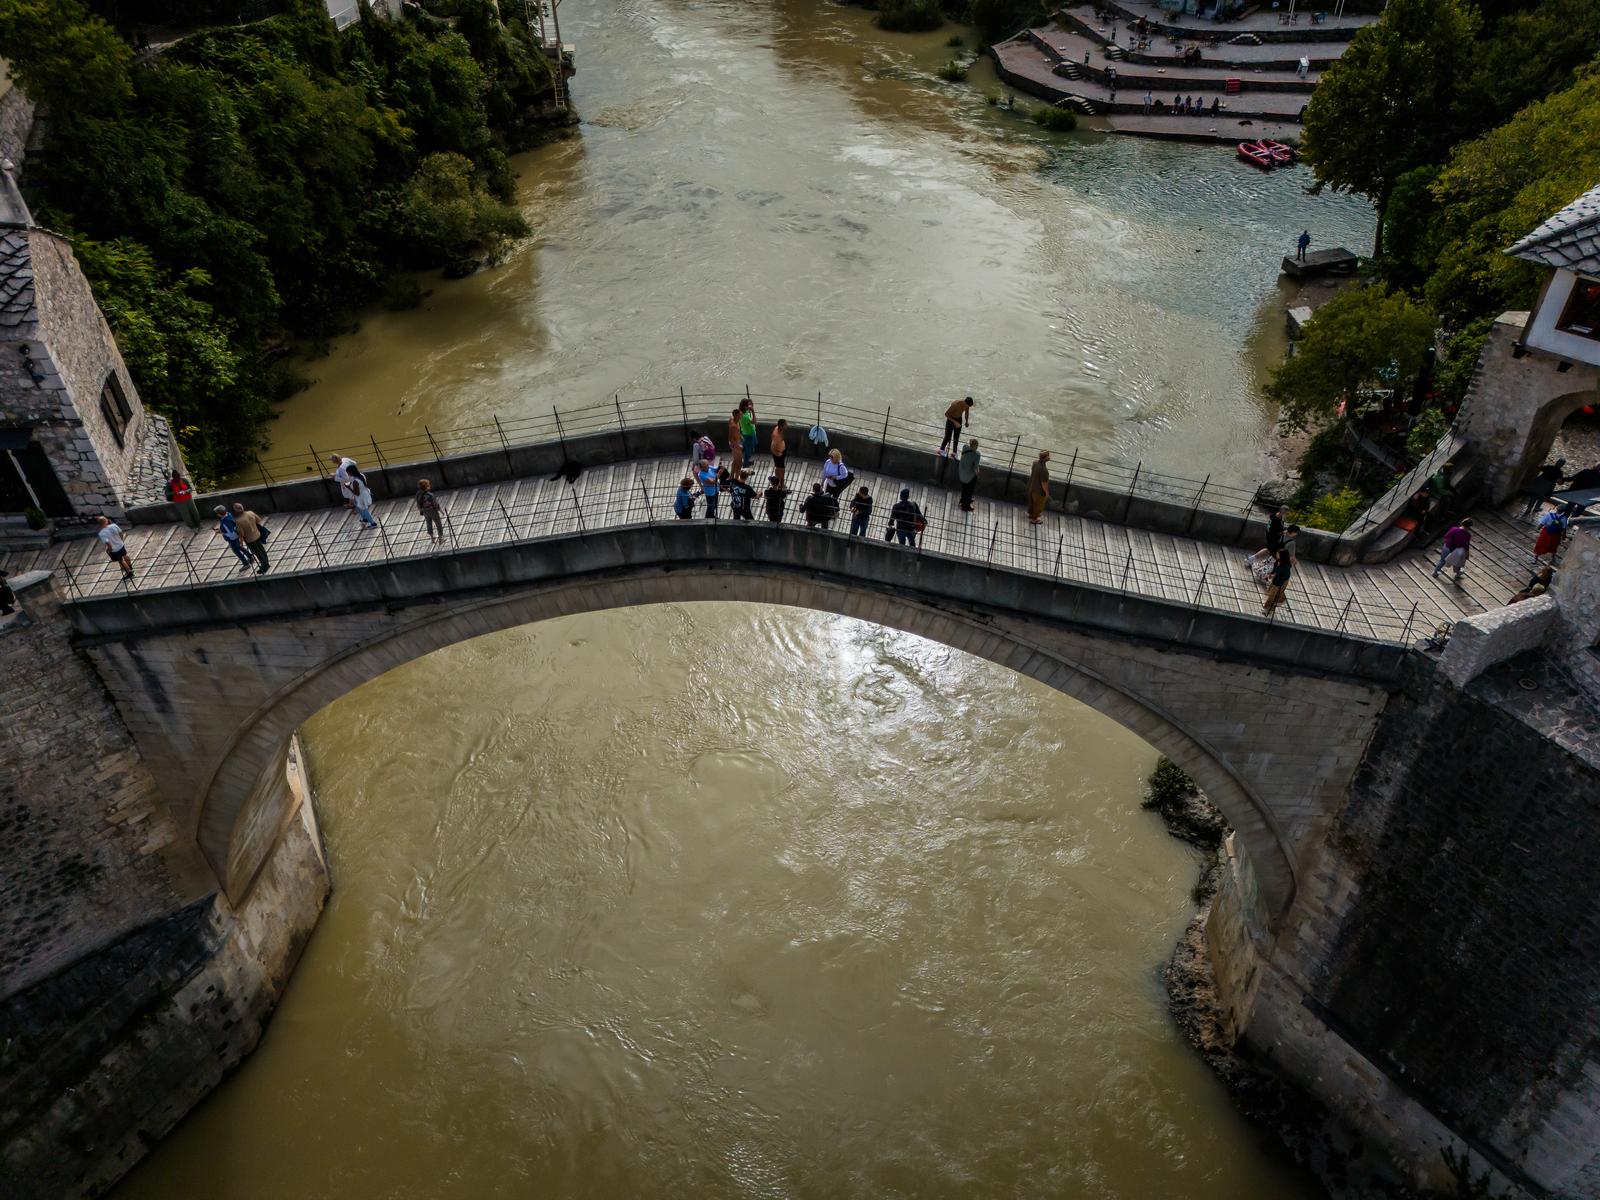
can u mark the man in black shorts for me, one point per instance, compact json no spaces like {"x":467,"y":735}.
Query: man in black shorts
{"x":780,"y":448}
{"x":111,"y":536}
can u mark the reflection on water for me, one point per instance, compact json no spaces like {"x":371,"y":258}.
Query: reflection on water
{"x":723,"y":901}
{"x":777,"y":194}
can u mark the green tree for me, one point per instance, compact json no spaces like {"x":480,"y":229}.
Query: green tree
{"x":1498,"y":187}
{"x":64,"y":56}
{"x":1358,"y":342}
{"x":446,"y":215}
{"x":1393,"y":101}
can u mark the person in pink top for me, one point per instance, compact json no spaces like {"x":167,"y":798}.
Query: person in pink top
{"x":1457,"y":545}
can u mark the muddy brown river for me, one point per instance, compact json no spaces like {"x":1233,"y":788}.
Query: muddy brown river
{"x":719,"y":901}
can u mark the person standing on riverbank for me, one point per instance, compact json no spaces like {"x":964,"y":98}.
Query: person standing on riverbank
{"x":1039,"y":488}
{"x":1282,"y":568}
{"x":860,"y":513}
{"x":253,"y":533}
{"x":780,"y":448}
{"x":1301,"y":243}
{"x":956,"y":418}
{"x":428,"y":506}
{"x":967,"y":472}
{"x":1457,"y":546}
{"x":110,"y":536}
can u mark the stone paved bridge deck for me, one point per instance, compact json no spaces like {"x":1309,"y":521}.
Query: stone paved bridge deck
{"x":1391,"y":602}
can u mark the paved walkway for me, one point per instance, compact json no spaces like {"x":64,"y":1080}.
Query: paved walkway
{"x":1366,"y":601}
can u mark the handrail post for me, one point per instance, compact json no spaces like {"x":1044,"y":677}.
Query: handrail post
{"x":511,"y":532}
{"x":561,"y":433}
{"x":683,"y":403}
{"x":578,"y":505}
{"x":438,"y":459}
{"x":72,"y":582}
{"x":316,"y":544}
{"x":388,"y":484}
{"x":316,"y":466}
{"x":1127,"y":500}
{"x":1200,"y":587}
{"x":1066,"y":490}
{"x":377,"y":453}
{"x":883,"y":439}
{"x":1405,"y":636}
{"x":649,"y":512}
{"x":1011,"y":470}
{"x":622,"y":427}
{"x":1194,"y":511}
{"x":505,"y":446}
{"x":266,"y":483}
{"x":383,"y":536}
{"x":819,"y":408}
{"x":1339,"y":628}
{"x":989,"y":560}
{"x":1126,"y":567}
{"x":1060,"y":541}
{"x":188,"y":562}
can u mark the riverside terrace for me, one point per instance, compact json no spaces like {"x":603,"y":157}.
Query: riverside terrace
{"x":1090,"y":58}
{"x":1134,"y":533}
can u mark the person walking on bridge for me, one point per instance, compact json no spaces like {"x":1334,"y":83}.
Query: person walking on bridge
{"x":361,"y":497}
{"x":180,"y":492}
{"x":967,"y":472}
{"x":956,"y":418}
{"x":342,"y":467}
{"x":1552,"y":528}
{"x":820,"y":508}
{"x":905,"y":520}
{"x":860,"y":513}
{"x":741,"y":494}
{"x":1278,"y":583}
{"x":110,"y":536}
{"x":776,"y":494}
{"x":835,"y":475}
{"x":1457,"y":546}
{"x":253,"y":534}
{"x":1039,"y":488}
{"x":1301,"y":243}
{"x":780,"y":449}
{"x":230,"y":534}
{"x":428,"y":506}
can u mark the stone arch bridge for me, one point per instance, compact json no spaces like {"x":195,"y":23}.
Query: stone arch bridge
{"x":1318,"y":732}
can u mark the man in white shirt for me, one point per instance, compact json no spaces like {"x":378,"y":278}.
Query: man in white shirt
{"x":342,"y":467}
{"x":111,"y":536}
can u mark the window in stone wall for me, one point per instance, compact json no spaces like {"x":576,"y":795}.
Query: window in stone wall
{"x":114,"y":407}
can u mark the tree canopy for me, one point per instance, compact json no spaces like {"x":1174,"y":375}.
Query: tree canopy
{"x":1394,"y":101}
{"x":256,"y":182}
{"x":1360,"y":341}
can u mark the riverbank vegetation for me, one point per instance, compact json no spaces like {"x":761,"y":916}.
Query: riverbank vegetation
{"x":251,"y":185}
{"x":1466,"y":126}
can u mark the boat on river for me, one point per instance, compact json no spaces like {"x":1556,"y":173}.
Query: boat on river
{"x":1282,"y":154}
{"x":1256,"y":154}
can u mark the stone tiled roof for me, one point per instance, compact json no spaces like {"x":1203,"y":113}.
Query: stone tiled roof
{"x":1570,"y":239}
{"x":16,"y":281}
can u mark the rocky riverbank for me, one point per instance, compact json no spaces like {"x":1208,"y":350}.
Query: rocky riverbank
{"x":1313,"y":1137}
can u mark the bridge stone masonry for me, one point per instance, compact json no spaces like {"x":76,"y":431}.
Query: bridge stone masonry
{"x":1410,"y":831}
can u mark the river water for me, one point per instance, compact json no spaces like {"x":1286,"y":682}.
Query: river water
{"x":719,"y":901}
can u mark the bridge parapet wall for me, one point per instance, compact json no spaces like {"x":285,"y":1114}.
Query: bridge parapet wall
{"x":1162,"y":506}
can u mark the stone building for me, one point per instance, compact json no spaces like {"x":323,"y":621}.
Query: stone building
{"x":74,"y":438}
{"x":1539,"y":367}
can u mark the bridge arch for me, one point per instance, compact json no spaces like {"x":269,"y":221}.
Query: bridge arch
{"x":240,"y":814}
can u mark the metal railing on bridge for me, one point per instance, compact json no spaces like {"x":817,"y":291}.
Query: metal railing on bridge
{"x":481,"y":517}
{"x":708,"y":412}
